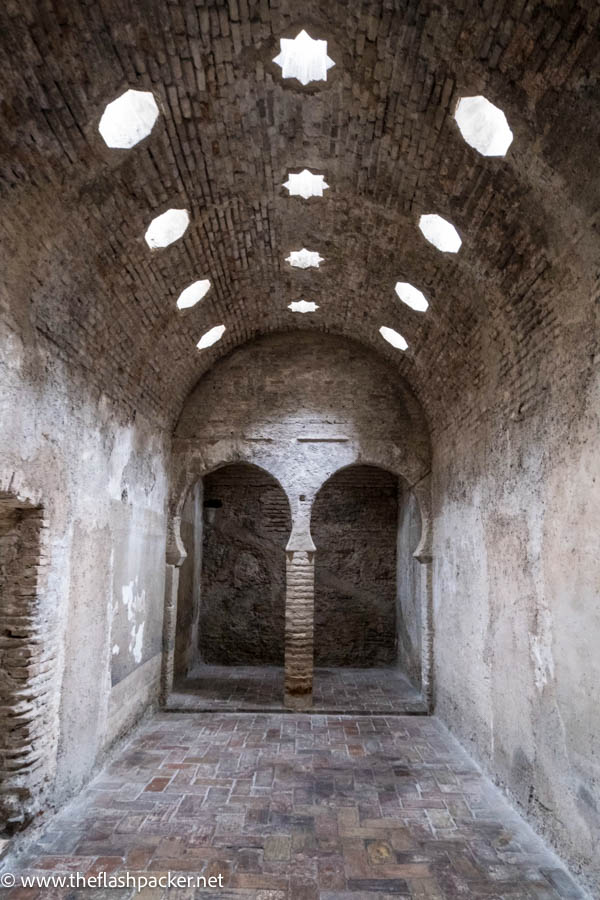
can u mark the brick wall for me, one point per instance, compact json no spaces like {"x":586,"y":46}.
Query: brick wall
{"x":242,"y":604}
{"x":354,"y":526}
{"x":27,"y":666}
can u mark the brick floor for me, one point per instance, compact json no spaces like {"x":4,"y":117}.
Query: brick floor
{"x":299,"y":807}
{"x":336,"y":690}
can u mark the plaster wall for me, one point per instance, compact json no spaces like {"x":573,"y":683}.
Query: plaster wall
{"x":301,"y":406}
{"x":101,"y":482}
{"x":517,"y":609}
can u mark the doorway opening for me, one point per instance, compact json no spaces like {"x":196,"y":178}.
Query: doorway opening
{"x":229,"y":649}
{"x":366,"y":525}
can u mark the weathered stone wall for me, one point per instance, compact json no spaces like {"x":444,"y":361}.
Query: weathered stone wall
{"x":247,"y":525}
{"x":517,"y":603}
{"x":100,"y":479}
{"x":410,"y":586}
{"x":188,"y":594}
{"x":354,"y":524}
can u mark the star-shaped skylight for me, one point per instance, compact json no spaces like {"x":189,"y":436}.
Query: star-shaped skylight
{"x":305,"y":184}
{"x":304,"y":259}
{"x":304,"y":58}
{"x":483,"y":126}
{"x":169,"y":227}
{"x":303,"y":306}
{"x":128,"y":119}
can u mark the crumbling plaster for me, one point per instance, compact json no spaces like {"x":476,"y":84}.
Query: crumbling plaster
{"x":100,"y":479}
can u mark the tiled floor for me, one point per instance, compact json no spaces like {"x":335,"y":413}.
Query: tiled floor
{"x":298,"y":807}
{"x":253,"y":688}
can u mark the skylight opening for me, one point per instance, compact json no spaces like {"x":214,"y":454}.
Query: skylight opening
{"x":167,"y":228}
{"x":128,"y":119}
{"x":305,"y":184}
{"x":411,"y":296}
{"x":483,"y":126}
{"x":193,"y":294}
{"x":304,"y":259}
{"x":303,"y":306}
{"x":441,"y":233}
{"x":393,"y":337}
{"x":211,"y":337}
{"x":304,"y":58}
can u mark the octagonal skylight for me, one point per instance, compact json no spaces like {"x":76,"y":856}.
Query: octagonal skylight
{"x":211,"y":337}
{"x":411,"y":296}
{"x":304,"y":259}
{"x":168,"y":227}
{"x":128,"y":119}
{"x":393,"y":337}
{"x":305,"y":184}
{"x":303,"y":306}
{"x":193,"y":294}
{"x":304,"y":58}
{"x":441,"y":233}
{"x":483,"y":126}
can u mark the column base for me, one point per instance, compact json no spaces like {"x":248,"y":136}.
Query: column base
{"x":297,"y":701}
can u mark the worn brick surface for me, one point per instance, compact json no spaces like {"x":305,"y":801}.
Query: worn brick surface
{"x":382,"y":131}
{"x":299,"y":808}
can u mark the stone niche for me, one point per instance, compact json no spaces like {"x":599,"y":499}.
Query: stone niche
{"x":27,"y":665}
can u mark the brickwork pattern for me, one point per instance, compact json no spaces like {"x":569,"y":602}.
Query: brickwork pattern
{"x":299,"y":626}
{"x":242,"y":602}
{"x":28,"y":730}
{"x":300,"y":808}
{"x":354,"y":525}
{"x":381,"y":129}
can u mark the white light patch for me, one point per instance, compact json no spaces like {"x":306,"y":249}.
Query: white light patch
{"x":211,"y":337}
{"x":128,"y":119}
{"x":304,"y":58}
{"x":167,"y":228}
{"x":393,"y":337}
{"x":303,"y":306}
{"x":483,"y":126}
{"x":411,"y":296}
{"x":305,"y":184}
{"x":193,"y":294}
{"x":441,"y":233}
{"x":304,"y":259}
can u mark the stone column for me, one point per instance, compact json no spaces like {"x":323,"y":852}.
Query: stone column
{"x":169,"y":628}
{"x":299,"y":628}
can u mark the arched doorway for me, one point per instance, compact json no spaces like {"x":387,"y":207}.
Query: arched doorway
{"x":231,"y":599}
{"x":367,"y":621}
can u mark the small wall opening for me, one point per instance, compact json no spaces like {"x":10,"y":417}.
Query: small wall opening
{"x":27,"y":738}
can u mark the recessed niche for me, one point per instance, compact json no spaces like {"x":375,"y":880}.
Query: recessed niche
{"x":167,"y":228}
{"x":305,"y":184}
{"x":393,"y":337}
{"x":441,"y":233}
{"x":303,"y":306}
{"x":193,"y":294}
{"x":483,"y":126}
{"x":304,"y":259}
{"x":128,"y":119}
{"x":211,"y":337}
{"x":304,"y":58}
{"x":411,"y":296}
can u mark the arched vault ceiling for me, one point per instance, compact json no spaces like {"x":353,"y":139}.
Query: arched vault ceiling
{"x":382,"y":132}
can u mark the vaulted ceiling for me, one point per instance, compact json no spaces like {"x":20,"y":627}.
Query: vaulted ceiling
{"x":80,"y":276}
